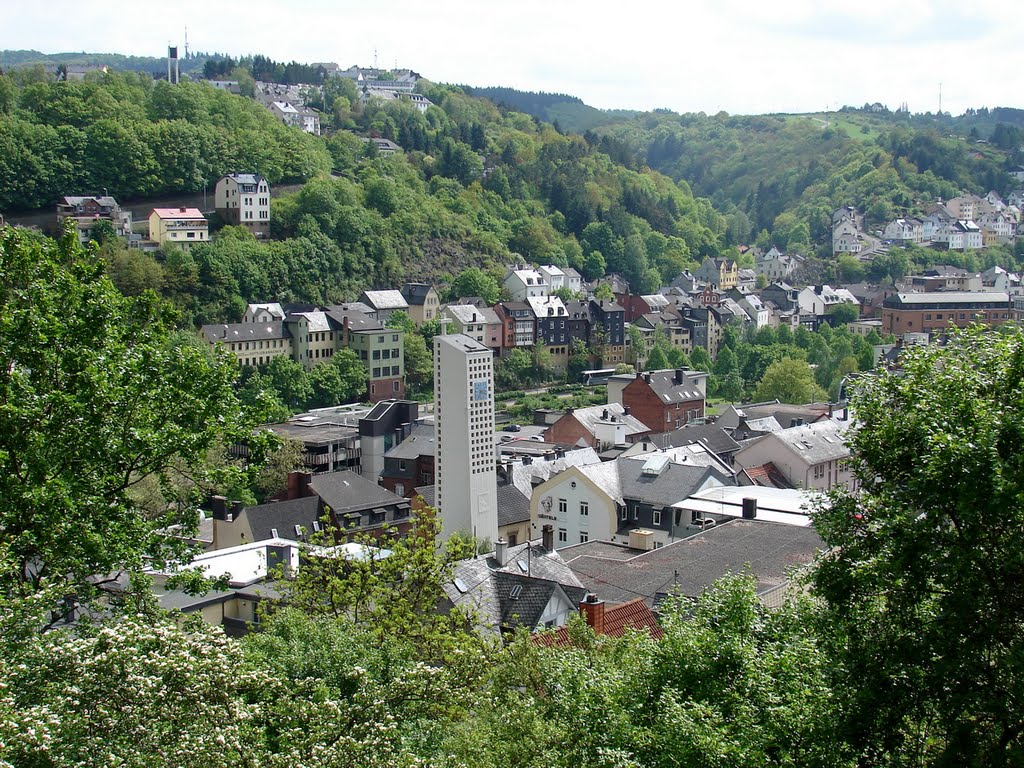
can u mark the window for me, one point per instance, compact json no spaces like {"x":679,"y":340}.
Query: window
{"x":376,"y":373}
{"x":563,"y":506}
{"x":819,"y":471}
{"x":656,"y":520}
{"x":584,"y":508}
{"x":624,"y":515}
{"x":376,"y":354}
{"x":584,"y":537}
{"x":563,"y":535}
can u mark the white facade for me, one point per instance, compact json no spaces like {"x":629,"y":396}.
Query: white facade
{"x":465,"y":471}
{"x":523,"y":284}
{"x":846,"y":238}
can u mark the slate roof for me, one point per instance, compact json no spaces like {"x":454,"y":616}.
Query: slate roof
{"x":245,"y":178}
{"x":348,"y":491}
{"x":273,"y":307}
{"x":245,"y":332}
{"x":663,"y":384}
{"x":488,"y":586}
{"x":283,"y":516}
{"x":421,"y":441}
{"x":390,"y":299}
{"x":590,"y":416}
{"x":317,"y":320}
{"x":822,"y":441}
{"x":712,"y":435}
{"x":513,"y":505}
{"x":469,"y":314}
{"x":634,"y":614}
{"x":416,"y":293}
{"x":765,"y":550}
{"x":524,"y":475}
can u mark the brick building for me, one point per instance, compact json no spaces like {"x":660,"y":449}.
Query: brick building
{"x":935,"y":312}
{"x":666,"y":400}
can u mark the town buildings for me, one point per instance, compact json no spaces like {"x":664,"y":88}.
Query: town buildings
{"x":937,"y":311}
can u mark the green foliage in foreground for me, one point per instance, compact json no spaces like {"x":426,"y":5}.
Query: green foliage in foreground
{"x":907,"y":652}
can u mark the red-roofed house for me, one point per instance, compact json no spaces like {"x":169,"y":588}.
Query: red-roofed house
{"x":612,"y":622}
{"x":181,"y":226}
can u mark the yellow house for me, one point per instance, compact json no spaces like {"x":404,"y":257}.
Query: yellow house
{"x":181,"y":226}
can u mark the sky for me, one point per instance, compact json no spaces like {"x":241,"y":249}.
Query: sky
{"x":740,"y":56}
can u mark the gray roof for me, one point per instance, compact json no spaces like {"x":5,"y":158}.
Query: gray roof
{"x":283,"y":516}
{"x":469,"y":313}
{"x":420,"y":442}
{"x":390,"y":299}
{"x":245,"y":332}
{"x":245,"y":178}
{"x":523,"y":475}
{"x":461,"y":340}
{"x":765,"y":550}
{"x":347,"y":491}
{"x":488,"y":587}
{"x":663,"y":384}
{"x":624,"y":478}
{"x":416,"y":293}
{"x":948,"y":297}
{"x":317,"y":320}
{"x":821,"y":441}
{"x":513,"y":505}
{"x":712,"y":435}
{"x":589,"y":418}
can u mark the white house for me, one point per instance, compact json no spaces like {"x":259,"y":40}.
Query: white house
{"x":846,"y":238}
{"x":811,"y":456}
{"x":525,"y":283}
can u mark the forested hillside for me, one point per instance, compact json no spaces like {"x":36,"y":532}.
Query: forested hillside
{"x":475,"y":186}
{"x":787,"y":174}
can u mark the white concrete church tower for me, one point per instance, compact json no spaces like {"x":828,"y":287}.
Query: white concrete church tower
{"x":465,"y":472}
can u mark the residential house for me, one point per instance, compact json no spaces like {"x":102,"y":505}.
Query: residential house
{"x":818,"y":301}
{"x":616,"y":500}
{"x":297,"y":116}
{"x":810,"y":456}
{"x":525,"y":283}
{"x":383,"y":147}
{"x":480,"y":323}
{"x":384,"y":303}
{"x":520,"y":325}
{"x":776,"y":265}
{"x":960,"y":235}
{"x":608,"y":331}
{"x":904,"y":231}
{"x":666,"y":400}
{"x":85,"y":211}
{"x":552,"y":327}
{"x":847,"y":238}
{"x":243,"y":200}
{"x":422,"y":301}
{"x":178,"y":226}
{"x":599,"y":426}
{"x":719,"y":273}
{"x":527,"y":585}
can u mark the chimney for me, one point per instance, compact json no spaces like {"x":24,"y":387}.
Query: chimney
{"x":236,"y":510}
{"x":647,"y":378}
{"x":830,"y":409}
{"x":639,"y":374}
{"x":183,"y":210}
{"x":625,"y":410}
{"x":749,"y":509}
{"x":501,"y":552}
{"x":548,"y":538}
{"x":679,"y":376}
{"x":593,"y":611}
{"x":219,"y":507}
{"x":604,"y":414}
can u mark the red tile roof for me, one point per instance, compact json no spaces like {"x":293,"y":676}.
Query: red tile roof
{"x":634,"y":614}
{"x":767,"y":475}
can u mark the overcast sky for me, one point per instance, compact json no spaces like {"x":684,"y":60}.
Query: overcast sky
{"x":689,"y":55}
